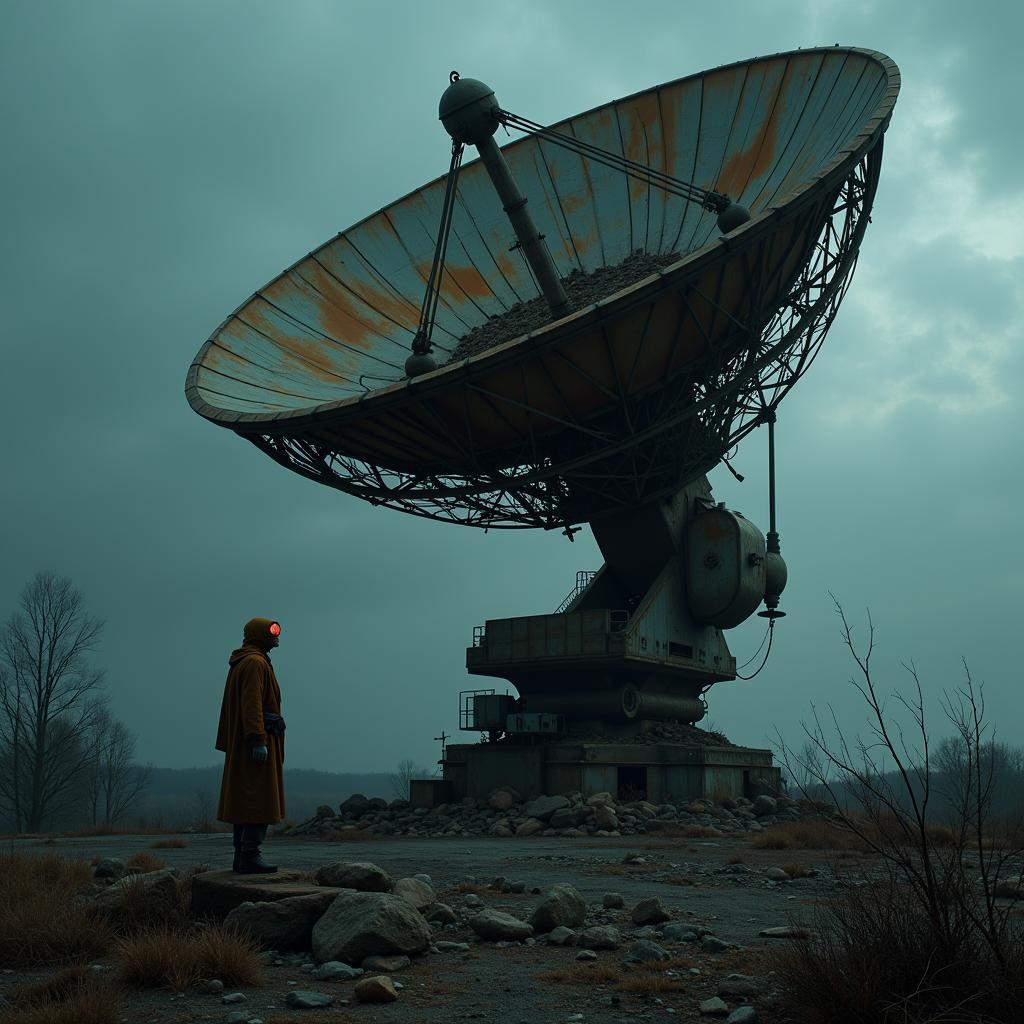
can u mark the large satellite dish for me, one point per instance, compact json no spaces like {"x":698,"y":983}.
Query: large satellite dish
{"x":576,"y":328}
{"x":619,"y":401}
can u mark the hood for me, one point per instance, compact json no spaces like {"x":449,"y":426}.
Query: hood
{"x":256,"y":639}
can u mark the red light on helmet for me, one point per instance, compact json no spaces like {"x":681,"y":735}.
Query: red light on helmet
{"x":275,"y":629}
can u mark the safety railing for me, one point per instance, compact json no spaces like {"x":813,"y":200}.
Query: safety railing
{"x":583,"y":580}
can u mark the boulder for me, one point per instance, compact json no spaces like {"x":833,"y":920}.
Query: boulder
{"x":379,"y":989}
{"x":359,"y":875}
{"x":603,"y":936}
{"x":612,"y":901}
{"x":501,"y":800}
{"x":601,"y":800}
{"x":544,"y":806}
{"x":418,"y":893}
{"x":497,"y":926}
{"x":564,"y":817}
{"x":563,"y":905}
{"x":742,"y":1015}
{"x":356,"y":805}
{"x":153,"y":889}
{"x":111,"y":867}
{"x":763,"y":805}
{"x":216,"y":893}
{"x":282,"y":924}
{"x":530,"y":827}
{"x":649,"y":911}
{"x":605,"y":817}
{"x":360,"y":924}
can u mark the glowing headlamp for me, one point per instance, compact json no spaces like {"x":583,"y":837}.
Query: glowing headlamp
{"x":275,"y":629}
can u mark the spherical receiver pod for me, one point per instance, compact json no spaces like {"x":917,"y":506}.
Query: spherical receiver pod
{"x":419,"y":363}
{"x":732,"y":217}
{"x":468,"y":110}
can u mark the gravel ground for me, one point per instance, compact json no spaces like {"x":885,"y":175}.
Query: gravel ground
{"x":693,"y":877}
{"x":582,"y":289}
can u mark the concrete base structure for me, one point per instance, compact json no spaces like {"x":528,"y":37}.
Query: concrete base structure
{"x":658,"y":772}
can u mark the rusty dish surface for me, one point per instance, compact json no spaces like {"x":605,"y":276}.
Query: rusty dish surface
{"x":321,"y":348}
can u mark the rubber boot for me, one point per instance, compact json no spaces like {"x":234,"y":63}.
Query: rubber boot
{"x":250,"y":862}
{"x":237,"y":839}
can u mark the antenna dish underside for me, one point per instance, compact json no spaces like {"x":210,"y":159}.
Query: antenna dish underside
{"x":617,"y":402}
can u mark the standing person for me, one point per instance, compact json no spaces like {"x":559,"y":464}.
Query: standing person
{"x":251,"y":734}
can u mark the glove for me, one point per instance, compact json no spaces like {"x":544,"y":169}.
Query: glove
{"x":259,"y":754}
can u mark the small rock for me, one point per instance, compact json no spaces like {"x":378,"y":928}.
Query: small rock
{"x":783,"y":932}
{"x":676,"y":931}
{"x":215,"y":986}
{"x":740,"y":986}
{"x":742,"y":1015}
{"x":335,"y":970}
{"x":586,"y":954}
{"x":378,"y":989}
{"x":612,"y":901}
{"x":472,"y":901}
{"x":233,"y":997}
{"x":441,"y":913}
{"x":385,"y":964}
{"x":413,"y":891}
{"x":713,"y":944}
{"x":645,"y":951}
{"x":496,"y":926}
{"x":776,"y":874}
{"x":561,"y":936}
{"x":649,"y":911}
{"x":299,"y":1000}
{"x":445,"y":946}
{"x":600,"y":937}
{"x":714,"y":1007}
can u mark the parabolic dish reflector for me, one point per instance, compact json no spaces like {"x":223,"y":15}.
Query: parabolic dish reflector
{"x":622,"y":400}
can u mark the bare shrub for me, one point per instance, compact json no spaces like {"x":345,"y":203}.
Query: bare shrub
{"x":808,"y":834}
{"x":923,"y":938}
{"x":43,"y":919}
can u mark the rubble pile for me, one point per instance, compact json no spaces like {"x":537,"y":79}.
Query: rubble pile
{"x":505,"y":814}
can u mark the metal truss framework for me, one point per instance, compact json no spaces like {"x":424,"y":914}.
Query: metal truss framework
{"x":651,"y":445}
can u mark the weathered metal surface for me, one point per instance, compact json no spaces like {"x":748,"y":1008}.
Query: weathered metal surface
{"x":310,"y":368}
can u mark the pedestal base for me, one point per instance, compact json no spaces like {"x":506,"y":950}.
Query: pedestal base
{"x":659,"y":772}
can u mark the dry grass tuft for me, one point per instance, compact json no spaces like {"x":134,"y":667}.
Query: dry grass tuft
{"x":583,"y":974}
{"x":650,"y":984}
{"x":143,"y":862}
{"x":72,"y":996}
{"x":807,"y":834}
{"x":43,"y":919}
{"x":140,"y":908}
{"x":172,"y":958}
{"x":168,"y":844}
{"x":736,"y":858}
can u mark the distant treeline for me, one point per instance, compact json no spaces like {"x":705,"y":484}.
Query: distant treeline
{"x":179,"y":797}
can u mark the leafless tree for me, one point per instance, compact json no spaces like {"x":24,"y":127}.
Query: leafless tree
{"x":203,"y":803}
{"x":406,"y":771}
{"x":115,"y":780}
{"x":49,"y":696}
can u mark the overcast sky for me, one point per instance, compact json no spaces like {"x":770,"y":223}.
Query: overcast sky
{"x":161,"y":161}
